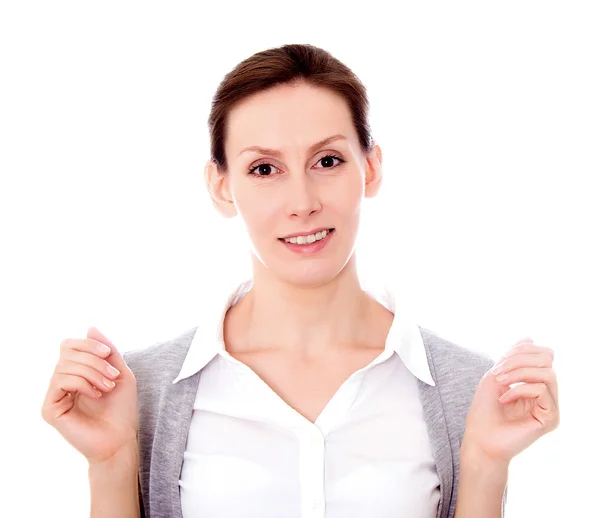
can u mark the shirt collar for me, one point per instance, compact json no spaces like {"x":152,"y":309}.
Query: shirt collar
{"x":404,"y":336}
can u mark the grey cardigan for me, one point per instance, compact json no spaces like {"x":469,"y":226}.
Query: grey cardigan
{"x":165,"y":412}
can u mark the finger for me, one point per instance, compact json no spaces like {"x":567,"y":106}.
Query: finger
{"x":524,"y":340}
{"x":85,"y":345}
{"x":95,"y":378}
{"x":533,"y":375}
{"x":528,"y":348}
{"x":538,"y":391}
{"x":115,"y":358}
{"x":527,"y":375}
{"x":525,"y":390}
{"x":62,"y":383}
{"x":51,"y":412}
{"x":542,"y":358}
{"x":91,"y":360}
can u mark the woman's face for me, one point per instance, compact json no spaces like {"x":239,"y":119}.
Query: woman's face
{"x":304,"y":187}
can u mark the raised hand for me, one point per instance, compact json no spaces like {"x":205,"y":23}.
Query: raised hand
{"x":503,"y":421}
{"x":96,"y":419}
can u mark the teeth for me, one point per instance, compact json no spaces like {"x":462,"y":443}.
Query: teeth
{"x":307,"y":240}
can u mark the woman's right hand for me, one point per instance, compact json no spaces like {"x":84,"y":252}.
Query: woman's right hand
{"x":97,"y":426}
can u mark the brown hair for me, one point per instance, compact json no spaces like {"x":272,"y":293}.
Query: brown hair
{"x":288,"y":64}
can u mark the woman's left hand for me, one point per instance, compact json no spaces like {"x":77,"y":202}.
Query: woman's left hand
{"x":501,"y":429}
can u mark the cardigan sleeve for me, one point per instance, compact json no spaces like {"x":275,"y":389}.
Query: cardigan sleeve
{"x":504,"y":500}
{"x":141,"y":501}
{"x":140,"y":498}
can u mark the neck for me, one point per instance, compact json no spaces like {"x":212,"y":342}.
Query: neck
{"x":304,"y":320}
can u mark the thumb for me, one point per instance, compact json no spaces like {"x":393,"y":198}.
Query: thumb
{"x":114,"y":358}
{"x":527,"y":339}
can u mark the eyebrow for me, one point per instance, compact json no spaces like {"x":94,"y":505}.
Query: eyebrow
{"x":279,"y":154}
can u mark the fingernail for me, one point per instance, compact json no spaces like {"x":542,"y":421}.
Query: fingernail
{"x":112,"y":370}
{"x":497,"y":369}
{"x":502,"y":377}
{"x":103,"y":348}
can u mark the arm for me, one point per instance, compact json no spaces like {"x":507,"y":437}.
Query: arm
{"x":481,"y":486}
{"x":114,"y":485}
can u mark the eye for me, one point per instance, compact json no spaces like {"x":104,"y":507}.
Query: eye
{"x":329,"y":158}
{"x":264,"y":167}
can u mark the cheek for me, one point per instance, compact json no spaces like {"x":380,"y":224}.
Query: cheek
{"x":346,"y":198}
{"x":259,"y":214}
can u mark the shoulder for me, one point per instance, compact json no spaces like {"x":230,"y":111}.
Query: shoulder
{"x":161,"y":358}
{"x":450,"y":359}
{"x":457,"y":371}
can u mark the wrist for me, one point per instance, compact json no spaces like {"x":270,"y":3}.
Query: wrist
{"x":124,"y":459}
{"x":477,"y":466}
{"x":114,"y":484}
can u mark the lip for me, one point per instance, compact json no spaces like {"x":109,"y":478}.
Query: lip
{"x":307,"y":233}
{"x":311,"y":249}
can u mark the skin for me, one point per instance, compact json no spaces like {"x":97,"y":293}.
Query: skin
{"x":309,"y":309}
{"x":301,"y":313}
{"x":502,"y":422}
{"x":305,"y":306}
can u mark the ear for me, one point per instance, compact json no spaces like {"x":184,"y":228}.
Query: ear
{"x":373,"y":172}
{"x":217,"y":184}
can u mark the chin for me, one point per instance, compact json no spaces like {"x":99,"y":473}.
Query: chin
{"x":304,"y":272}
{"x":311,"y":276}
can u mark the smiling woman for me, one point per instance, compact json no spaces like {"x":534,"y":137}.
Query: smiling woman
{"x":300,"y":393}
{"x":292,"y":154}
{"x":314,"y":399}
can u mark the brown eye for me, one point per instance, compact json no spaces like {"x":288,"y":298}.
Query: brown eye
{"x":263,"y":169}
{"x":329,"y":159}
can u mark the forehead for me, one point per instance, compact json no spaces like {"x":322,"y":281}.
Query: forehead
{"x":287,"y":117}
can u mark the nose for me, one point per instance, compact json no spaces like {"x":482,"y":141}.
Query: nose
{"x":303,"y":196}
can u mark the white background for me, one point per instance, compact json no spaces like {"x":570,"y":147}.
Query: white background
{"x":488,"y":117}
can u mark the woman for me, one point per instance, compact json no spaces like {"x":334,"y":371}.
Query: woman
{"x":314,"y":399}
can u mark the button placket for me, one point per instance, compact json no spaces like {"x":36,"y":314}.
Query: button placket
{"x":312,"y":450}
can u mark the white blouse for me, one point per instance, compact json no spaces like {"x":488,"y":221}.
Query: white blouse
{"x":250,"y":455}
